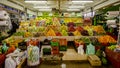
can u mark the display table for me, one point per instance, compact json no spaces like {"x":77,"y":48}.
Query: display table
{"x":113,"y":57}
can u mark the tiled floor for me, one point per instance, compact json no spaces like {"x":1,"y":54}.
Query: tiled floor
{"x":69,"y":64}
{"x":76,"y":62}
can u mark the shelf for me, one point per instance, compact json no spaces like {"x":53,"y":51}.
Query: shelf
{"x":70,"y":17}
{"x":59,"y":17}
{"x":69,"y":38}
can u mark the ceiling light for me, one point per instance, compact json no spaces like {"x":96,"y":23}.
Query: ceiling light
{"x":45,"y":9}
{"x":32,"y":1}
{"x":73,"y":9}
{"x":83,"y":1}
{"x":76,"y":6}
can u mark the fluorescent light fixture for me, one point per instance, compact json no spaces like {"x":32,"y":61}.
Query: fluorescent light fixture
{"x":73,"y":9}
{"x":76,"y":6}
{"x":32,"y":1}
{"x":82,"y":1}
{"x":45,"y":9}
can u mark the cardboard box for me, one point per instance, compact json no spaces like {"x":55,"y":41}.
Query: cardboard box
{"x":94,"y":60}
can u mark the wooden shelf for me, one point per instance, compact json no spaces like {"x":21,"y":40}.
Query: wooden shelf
{"x":69,"y":38}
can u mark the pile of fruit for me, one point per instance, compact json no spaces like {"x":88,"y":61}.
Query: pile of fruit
{"x":106,"y":39}
{"x":50,"y":26}
{"x":99,"y":29}
{"x":76,"y":20}
{"x":112,"y":47}
{"x":50,"y":32}
{"x":20,"y":33}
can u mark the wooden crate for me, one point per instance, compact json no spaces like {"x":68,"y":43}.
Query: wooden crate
{"x":94,"y":60}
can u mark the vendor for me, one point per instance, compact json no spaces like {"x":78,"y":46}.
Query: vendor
{"x":14,"y":26}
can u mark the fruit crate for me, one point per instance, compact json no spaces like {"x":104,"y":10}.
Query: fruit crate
{"x":63,"y":48}
{"x":54,"y":43}
{"x":63,"y":42}
{"x":115,"y":61}
{"x":55,"y":48}
{"x":55,"y":52}
{"x":46,"y":51}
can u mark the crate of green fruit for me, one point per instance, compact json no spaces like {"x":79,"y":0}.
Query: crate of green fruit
{"x":54,"y":43}
{"x":63,"y":48}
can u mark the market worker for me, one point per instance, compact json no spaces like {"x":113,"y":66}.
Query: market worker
{"x":14,"y":26}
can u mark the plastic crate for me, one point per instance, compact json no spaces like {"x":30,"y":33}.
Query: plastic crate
{"x":54,"y":43}
{"x":63,"y":48}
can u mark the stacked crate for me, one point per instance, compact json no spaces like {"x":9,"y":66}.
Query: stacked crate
{"x":46,"y":50}
{"x":55,"y":46}
{"x":63,"y":44}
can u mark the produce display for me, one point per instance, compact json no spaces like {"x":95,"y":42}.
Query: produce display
{"x":106,"y":39}
{"x":51,"y":32}
{"x":77,"y":33}
{"x":13,"y":41}
{"x":64,"y":33}
{"x":51,"y":26}
{"x":99,"y":29}
{"x":76,"y":20}
{"x":112,"y":47}
{"x":84,"y":33}
{"x":19,"y":33}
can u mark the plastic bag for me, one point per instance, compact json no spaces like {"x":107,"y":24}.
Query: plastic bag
{"x":33,"y":55}
{"x":90,"y":49}
{"x":10,"y":63}
{"x":80,"y":50}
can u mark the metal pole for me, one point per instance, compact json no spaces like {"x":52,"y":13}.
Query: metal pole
{"x":118,"y":42}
